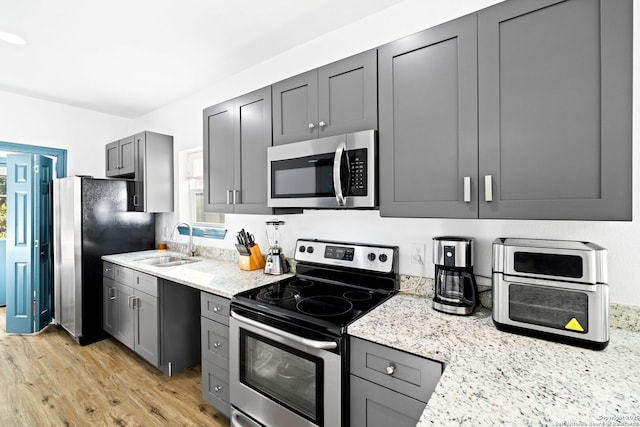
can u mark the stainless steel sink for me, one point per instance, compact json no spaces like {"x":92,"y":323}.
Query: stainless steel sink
{"x":166,"y":261}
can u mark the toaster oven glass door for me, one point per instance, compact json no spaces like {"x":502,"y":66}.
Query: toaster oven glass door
{"x":552,"y":307}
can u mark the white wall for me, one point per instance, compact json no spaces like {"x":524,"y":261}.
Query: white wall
{"x":183,"y":119}
{"x":83,"y":133}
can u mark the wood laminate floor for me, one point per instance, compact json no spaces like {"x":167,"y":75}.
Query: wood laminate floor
{"x":47,"y":379}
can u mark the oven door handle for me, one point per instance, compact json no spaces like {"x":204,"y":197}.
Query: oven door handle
{"x":322,"y":345}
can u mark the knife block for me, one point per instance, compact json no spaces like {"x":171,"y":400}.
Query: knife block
{"x":253,"y":261}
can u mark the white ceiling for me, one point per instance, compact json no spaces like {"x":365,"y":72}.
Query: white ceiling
{"x":129,"y":57}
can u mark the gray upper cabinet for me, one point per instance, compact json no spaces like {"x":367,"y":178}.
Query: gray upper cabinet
{"x":236,"y":136}
{"x":153,"y":172}
{"x":428,"y":123}
{"x":548,"y":135}
{"x":147,"y":159}
{"x":555,"y":109}
{"x":338,"y":98}
{"x":120,"y":159}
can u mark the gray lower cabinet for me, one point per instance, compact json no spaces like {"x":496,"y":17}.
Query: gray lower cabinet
{"x":388,"y":387}
{"x":214,"y":329}
{"x":337,"y":98}
{"x":236,"y":136}
{"x":522,"y":110}
{"x":156,"y":318}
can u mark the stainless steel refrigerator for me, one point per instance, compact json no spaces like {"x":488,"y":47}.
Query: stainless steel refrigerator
{"x":90,"y":220}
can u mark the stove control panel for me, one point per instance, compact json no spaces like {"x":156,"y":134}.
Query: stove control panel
{"x":362,"y":256}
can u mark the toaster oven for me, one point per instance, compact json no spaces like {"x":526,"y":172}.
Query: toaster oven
{"x":553,"y":289}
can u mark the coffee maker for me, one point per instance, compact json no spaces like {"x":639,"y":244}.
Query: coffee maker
{"x":276,"y":261}
{"x":456,"y":290}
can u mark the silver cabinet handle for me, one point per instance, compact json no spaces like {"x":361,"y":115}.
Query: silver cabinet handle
{"x":337,"y":163}
{"x":229,"y":197}
{"x":217,"y":344}
{"x":216,"y":309}
{"x":488,"y":190}
{"x":129,"y":301}
{"x":467,"y":189}
{"x":321,"y":345}
{"x":217,"y":388}
{"x":391,"y":369}
{"x":311,"y":126}
{"x":322,"y":124}
{"x":236,"y":197}
{"x":112,"y":293}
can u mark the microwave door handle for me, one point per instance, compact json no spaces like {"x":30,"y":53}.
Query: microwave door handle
{"x":337,"y":168}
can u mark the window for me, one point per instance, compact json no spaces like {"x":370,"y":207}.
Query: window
{"x":191,"y":187}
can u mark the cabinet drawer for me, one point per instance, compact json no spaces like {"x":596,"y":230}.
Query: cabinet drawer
{"x":214,"y":307}
{"x":108,"y":270}
{"x":215,"y":386}
{"x":145,"y":283}
{"x":122,"y":274}
{"x":403,"y":372}
{"x":376,"y":406}
{"x":215,"y":342}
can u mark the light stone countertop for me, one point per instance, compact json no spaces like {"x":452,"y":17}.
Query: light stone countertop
{"x":220,"y":277}
{"x":493,"y":377}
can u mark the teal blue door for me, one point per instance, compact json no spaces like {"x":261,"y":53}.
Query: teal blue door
{"x":29,"y":275}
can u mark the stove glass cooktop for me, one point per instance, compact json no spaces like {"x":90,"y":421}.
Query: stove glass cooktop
{"x":313,"y":301}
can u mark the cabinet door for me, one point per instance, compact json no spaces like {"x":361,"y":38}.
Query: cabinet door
{"x":348,"y":95}
{"x":127,"y":156}
{"x":555,"y":109}
{"x":218,"y":158}
{"x":109,"y":306}
{"x":146,"y":327}
{"x":252,"y":136}
{"x":295,"y":108}
{"x":112,"y":159}
{"x":123,"y":325}
{"x":428,"y":123}
{"x":376,"y":406}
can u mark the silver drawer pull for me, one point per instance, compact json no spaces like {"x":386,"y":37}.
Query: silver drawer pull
{"x":391,"y":369}
{"x":311,"y":126}
{"x":216,"y":309}
{"x":217,"y":344}
{"x":217,"y":388}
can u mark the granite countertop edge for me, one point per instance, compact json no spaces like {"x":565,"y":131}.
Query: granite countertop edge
{"x":493,"y":377}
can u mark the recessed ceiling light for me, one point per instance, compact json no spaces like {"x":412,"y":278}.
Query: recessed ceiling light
{"x":12,"y":38}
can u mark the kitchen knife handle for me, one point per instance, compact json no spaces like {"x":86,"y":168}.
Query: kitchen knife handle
{"x":488,"y":188}
{"x":467,"y":189}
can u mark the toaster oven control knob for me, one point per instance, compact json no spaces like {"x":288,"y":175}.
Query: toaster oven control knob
{"x":371,"y":256}
{"x":310,"y":249}
{"x":302,"y":248}
{"x":383,"y":257}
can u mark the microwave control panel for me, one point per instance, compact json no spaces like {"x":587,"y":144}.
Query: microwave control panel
{"x":358,"y":171}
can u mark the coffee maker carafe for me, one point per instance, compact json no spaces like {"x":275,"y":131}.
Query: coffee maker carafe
{"x":276,"y":261}
{"x":456,"y":291}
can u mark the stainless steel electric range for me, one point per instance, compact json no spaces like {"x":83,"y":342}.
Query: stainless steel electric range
{"x":288,"y":354}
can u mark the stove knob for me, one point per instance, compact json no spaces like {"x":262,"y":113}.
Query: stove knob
{"x":310,"y":249}
{"x":383,"y":257}
{"x":371,"y":256}
{"x":302,"y":248}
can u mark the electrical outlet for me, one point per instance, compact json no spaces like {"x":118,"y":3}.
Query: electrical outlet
{"x":417,"y":253}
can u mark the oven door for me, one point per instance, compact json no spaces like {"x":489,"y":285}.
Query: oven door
{"x":332,"y":172}
{"x":280,"y":379}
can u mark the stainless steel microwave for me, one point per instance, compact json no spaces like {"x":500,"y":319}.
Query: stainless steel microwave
{"x":333,"y":172}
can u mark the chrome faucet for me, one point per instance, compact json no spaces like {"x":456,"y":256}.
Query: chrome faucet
{"x":191,"y":250}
